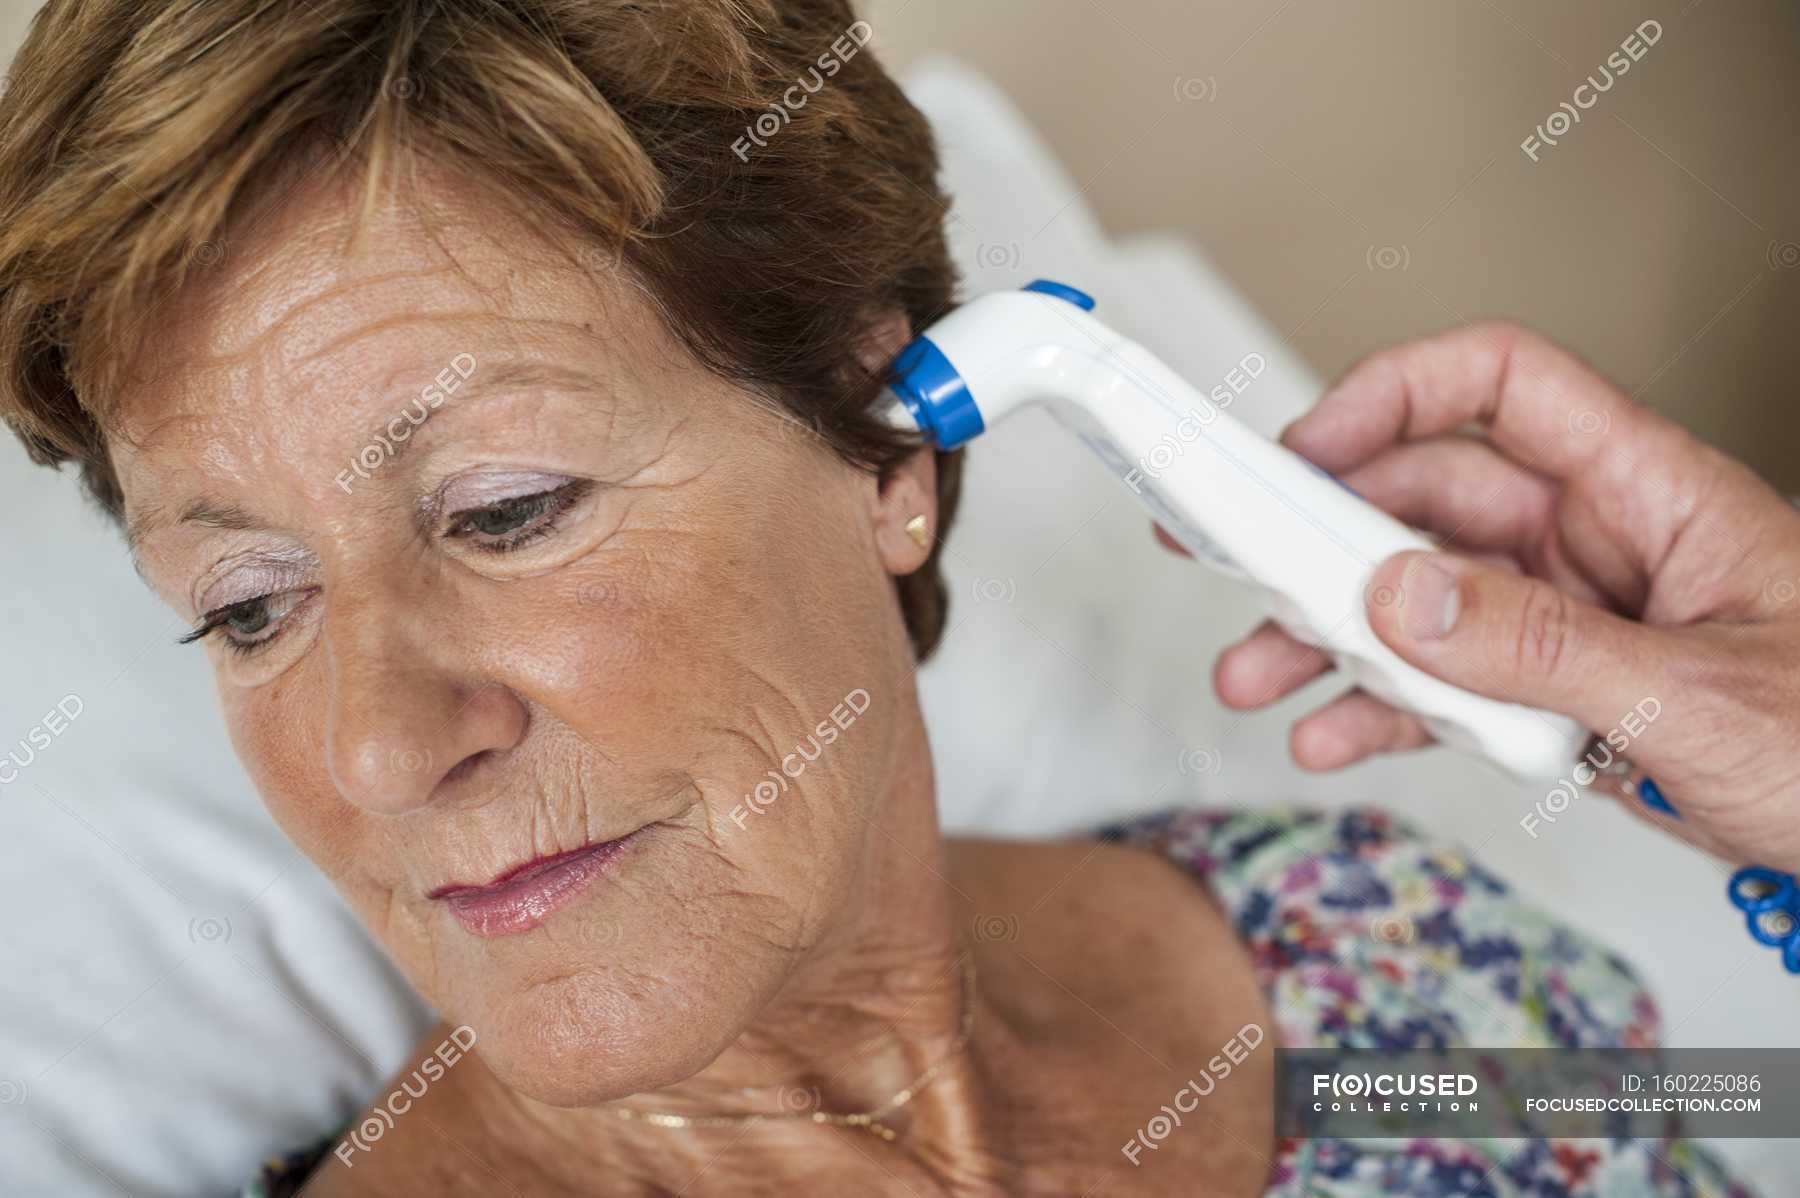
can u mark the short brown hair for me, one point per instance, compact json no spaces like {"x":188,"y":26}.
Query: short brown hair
{"x":135,"y":130}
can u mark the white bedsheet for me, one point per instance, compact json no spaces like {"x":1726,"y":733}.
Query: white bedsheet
{"x":181,"y":993}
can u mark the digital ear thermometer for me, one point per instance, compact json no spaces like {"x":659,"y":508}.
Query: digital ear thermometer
{"x":1238,"y":502}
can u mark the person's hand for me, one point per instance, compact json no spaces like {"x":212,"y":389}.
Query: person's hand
{"x":1605,"y":557}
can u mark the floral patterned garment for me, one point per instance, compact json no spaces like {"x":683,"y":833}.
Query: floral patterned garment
{"x":1364,"y":935}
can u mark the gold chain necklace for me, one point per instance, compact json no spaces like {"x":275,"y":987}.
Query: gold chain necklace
{"x":869,"y":1120}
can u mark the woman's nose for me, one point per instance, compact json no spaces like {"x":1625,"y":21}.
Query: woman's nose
{"x":407,"y":712}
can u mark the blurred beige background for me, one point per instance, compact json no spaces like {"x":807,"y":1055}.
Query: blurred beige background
{"x":1295,"y":142}
{"x":1356,"y":169}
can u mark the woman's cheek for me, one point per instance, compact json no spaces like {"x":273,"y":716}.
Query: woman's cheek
{"x":276,"y":732}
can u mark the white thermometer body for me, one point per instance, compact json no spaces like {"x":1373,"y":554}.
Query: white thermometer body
{"x":1237,"y":501}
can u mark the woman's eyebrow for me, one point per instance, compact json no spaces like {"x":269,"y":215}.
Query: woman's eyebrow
{"x":200,"y":511}
{"x":481,"y":383}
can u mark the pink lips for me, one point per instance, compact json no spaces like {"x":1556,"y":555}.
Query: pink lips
{"x":524,"y":897}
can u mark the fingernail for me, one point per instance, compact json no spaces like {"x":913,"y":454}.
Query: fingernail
{"x":1432,"y":599}
{"x":1652,"y":797}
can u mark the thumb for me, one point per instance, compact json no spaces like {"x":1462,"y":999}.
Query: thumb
{"x":1513,"y":638}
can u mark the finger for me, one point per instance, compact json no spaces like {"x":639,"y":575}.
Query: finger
{"x":1518,"y":639}
{"x":1265,"y":666}
{"x":1542,"y":405}
{"x":1351,"y":727}
{"x":1646,"y":487}
{"x":1168,"y":542}
{"x":1464,"y":491}
{"x":1479,"y":502}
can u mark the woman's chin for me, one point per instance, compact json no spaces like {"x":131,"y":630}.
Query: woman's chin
{"x":581,"y":1041}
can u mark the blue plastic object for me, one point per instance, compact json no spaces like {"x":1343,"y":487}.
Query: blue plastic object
{"x":1651,"y":795}
{"x":1062,"y":291}
{"x":936,"y":395}
{"x":1761,"y":893}
{"x":1765,"y":896}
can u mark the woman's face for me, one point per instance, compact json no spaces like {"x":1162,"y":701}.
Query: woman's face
{"x":503,"y":578}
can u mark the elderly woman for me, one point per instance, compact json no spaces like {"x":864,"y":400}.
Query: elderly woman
{"x":497,"y":390}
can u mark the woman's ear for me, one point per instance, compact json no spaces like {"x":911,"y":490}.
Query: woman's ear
{"x":905,"y":492}
{"x":906,"y":511}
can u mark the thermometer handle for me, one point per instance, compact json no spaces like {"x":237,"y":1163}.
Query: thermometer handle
{"x":1237,"y":501}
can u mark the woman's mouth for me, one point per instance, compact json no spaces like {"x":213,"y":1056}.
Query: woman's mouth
{"x":525,"y":896}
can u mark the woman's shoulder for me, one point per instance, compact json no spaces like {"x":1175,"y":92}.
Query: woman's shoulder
{"x":1367,"y":933}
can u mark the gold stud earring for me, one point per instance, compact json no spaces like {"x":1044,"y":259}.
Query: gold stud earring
{"x":917,"y":529}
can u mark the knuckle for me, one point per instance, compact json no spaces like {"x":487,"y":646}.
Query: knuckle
{"x":1500,"y":338}
{"x":1544,"y":643}
{"x":1379,"y":368}
{"x":1502,"y":330}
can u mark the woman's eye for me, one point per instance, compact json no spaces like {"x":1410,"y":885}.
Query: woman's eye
{"x":513,"y":523}
{"x":510,"y":516}
{"x":251,"y":624}
{"x":248,"y":620}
